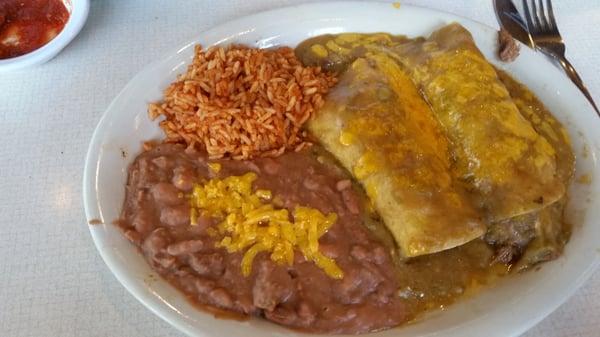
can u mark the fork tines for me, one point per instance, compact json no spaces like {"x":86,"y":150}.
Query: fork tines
{"x":540,"y":19}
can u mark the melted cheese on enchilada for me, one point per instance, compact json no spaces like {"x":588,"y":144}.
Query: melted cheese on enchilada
{"x":378,"y":126}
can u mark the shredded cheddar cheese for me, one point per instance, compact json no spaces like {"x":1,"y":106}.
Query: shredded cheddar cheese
{"x":249,"y":222}
{"x":214,"y":167}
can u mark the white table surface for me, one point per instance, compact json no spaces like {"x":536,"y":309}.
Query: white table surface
{"x":52,"y":280}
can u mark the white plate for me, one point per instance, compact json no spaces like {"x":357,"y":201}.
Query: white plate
{"x":510,"y":308}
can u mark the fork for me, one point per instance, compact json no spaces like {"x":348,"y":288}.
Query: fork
{"x":544,"y":30}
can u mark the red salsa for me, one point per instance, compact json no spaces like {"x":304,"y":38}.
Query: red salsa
{"x":26,"y":25}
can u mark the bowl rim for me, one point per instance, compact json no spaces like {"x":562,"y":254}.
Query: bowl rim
{"x":91,"y":202}
{"x":79,"y":11}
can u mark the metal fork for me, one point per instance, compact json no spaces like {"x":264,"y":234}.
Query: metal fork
{"x":543,"y":28}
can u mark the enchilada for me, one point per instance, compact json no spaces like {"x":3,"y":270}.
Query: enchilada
{"x":499,"y":155}
{"x":380,"y":129}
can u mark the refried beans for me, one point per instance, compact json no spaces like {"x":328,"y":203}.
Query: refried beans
{"x":156,"y":218}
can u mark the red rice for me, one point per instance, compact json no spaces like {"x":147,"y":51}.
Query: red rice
{"x":242,"y":102}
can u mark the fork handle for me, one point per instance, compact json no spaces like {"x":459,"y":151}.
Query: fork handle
{"x":572,"y":73}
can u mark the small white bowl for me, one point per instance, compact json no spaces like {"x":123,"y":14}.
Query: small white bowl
{"x":78,"y":13}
